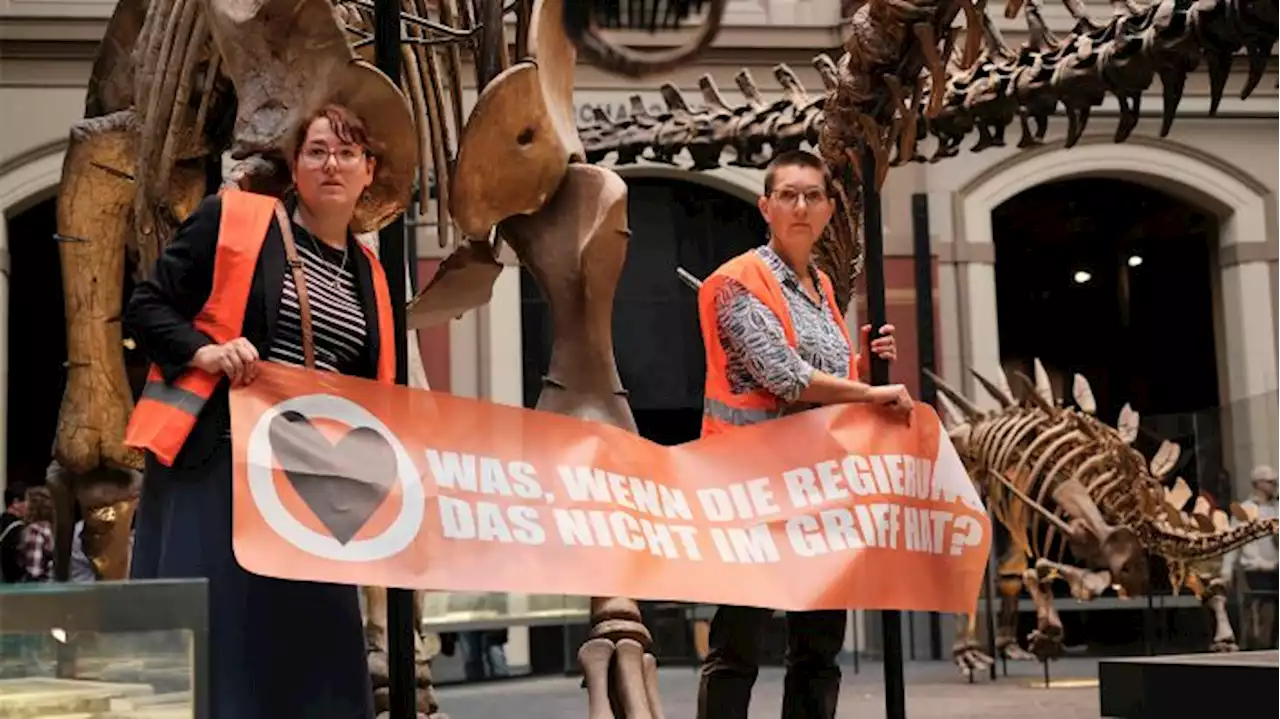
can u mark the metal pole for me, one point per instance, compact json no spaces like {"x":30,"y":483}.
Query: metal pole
{"x":925,"y":342}
{"x":391,"y":252}
{"x":873,"y":245}
{"x":991,"y":616}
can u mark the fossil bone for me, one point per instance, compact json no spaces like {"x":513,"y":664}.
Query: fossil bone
{"x":178,"y":84}
{"x":950,"y":93}
{"x":1061,"y":483}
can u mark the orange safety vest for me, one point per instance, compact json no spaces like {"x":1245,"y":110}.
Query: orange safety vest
{"x":722,"y":409}
{"x":166,"y":413}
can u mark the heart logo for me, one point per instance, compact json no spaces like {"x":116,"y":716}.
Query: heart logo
{"x":343,"y":483}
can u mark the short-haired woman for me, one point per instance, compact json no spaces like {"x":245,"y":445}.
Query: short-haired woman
{"x":776,"y":343}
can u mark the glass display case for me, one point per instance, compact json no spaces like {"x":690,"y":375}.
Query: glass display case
{"x":104,"y":650}
{"x":469,"y":611}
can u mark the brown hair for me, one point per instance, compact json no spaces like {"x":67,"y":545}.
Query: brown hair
{"x":346,"y":125}
{"x":797,"y":158}
{"x":39,"y":505}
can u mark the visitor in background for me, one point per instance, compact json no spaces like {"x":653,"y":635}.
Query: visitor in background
{"x":37,"y":536}
{"x":486,"y":654}
{"x":81,"y":567}
{"x":12,"y":522}
{"x":1258,"y":564}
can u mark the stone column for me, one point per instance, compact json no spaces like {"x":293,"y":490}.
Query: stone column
{"x":1248,"y":352}
{"x":4,"y":350}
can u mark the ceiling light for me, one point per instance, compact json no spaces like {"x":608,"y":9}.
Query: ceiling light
{"x":1135,"y":260}
{"x":1082,"y":277}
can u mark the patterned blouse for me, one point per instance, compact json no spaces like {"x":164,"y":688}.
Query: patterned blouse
{"x":756,"y":345}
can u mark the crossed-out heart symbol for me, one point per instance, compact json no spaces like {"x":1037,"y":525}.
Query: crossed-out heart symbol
{"x":343,"y":483}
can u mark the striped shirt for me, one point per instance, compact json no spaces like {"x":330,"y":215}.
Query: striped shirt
{"x":337,"y":318}
{"x":756,"y":345}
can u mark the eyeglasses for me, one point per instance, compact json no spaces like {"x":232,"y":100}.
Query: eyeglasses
{"x":346,"y":157}
{"x":789,"y":197}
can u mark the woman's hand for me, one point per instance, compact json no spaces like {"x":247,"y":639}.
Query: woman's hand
{"x":237,"y":359}
{"x":885,"y":347}
{"x":893,"y":396}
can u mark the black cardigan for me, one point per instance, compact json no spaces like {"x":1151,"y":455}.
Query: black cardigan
{"x":160,"y":312}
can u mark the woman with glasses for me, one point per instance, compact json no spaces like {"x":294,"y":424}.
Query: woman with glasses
{"x":776,"y":343}
{"x":248,"y":279}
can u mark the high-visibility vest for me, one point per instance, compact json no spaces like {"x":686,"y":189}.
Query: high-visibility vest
{"x":166,"y":413}
{"x":722,"y":409}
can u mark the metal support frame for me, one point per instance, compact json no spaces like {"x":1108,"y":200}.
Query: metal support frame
{"x":925,"y":342}
{"x":873,"y":247}
{"x":391,"y":253}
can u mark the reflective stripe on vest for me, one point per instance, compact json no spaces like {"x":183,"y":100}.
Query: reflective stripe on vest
{"x":166,"y":413}
{"x":737,"y":416}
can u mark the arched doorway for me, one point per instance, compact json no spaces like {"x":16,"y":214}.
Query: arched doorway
{"x":1237,"y":266}
{"x":1115,"y":280}
{"x":657,"y":340}
{"x":36,"y":343}
{"x":1112,"y":280}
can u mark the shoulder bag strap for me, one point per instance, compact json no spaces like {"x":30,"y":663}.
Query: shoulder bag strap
{"x":17,"y":524}
{"x":299,"y":284}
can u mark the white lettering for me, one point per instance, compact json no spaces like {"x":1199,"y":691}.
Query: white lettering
{"x":716,"y":504}
{"x":584,"y":484}
{"x":800,"y":487}
{"x":453,"y":470}
{"x":746,"y":546}
{"x":456,"y":519}
{"x":802,"y":531}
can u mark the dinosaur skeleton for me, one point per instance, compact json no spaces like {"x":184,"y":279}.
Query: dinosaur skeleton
{"x":180,"y":86}
{"x":1121,"y":57}
{"x":1059,"y":480}
{"x":984,"y":95}
{"x":190,"y":95}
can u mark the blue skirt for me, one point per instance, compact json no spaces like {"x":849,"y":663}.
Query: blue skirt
{"x":276,"y":648}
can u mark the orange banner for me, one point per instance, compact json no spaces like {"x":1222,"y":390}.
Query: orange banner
{"x":344,"y":480}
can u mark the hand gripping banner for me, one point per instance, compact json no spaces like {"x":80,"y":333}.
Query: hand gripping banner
{"x":344,"y":480}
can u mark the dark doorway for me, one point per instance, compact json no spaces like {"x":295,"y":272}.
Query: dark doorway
{"x":657,"y":341}
{"x":37,"y":343}
{"x":1112,"y":280}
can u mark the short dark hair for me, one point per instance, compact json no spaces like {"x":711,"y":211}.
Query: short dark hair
{"x":797,"y":158}
{"x":39,"y":504}
{"x":13,"y":493}
{"x":345,"y":124}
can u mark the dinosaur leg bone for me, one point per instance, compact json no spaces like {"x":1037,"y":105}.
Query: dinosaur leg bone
{"x":1215,"y":600}
{"x":575,"y":247}
{"x":595,"y":657}
{"x":1046,"y":639}
{"x":629,"y":678}
{"x":97,"y":401}
{"x":967,"y":652}
{"x":1085,"y":584}
{"x":375,"y":630}
{"x":1009,"y":585}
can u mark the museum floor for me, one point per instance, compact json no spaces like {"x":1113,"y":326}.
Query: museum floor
{"x":934,"y":690}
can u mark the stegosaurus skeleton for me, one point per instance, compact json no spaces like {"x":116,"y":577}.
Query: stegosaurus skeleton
{"x":1056,"y":478}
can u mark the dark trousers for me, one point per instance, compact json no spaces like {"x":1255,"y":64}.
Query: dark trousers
{"x":812,"y":685}
{"x":277,"y":649}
